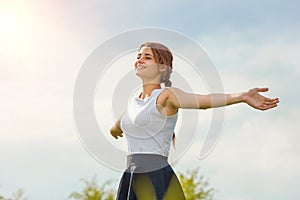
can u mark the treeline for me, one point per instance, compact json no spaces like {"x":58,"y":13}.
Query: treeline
{"x":194,"y":185}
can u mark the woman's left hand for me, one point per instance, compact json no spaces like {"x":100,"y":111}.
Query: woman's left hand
{"x":258,"y":101}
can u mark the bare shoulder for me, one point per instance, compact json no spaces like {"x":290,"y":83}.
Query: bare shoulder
{"x":166,"y":101}
{"x":169,"y":96}
{"x":170,"y":92}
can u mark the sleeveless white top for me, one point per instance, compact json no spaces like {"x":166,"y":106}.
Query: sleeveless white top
{"x":147,"y":131}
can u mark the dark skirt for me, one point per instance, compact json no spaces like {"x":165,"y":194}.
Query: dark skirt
{"x":149,"y":177}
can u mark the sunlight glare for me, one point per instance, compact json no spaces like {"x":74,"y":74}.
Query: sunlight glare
{"x":8,"y":22}
{"x":15,"y":31}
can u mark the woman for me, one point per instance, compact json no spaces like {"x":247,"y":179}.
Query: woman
{"x":150,"y":120}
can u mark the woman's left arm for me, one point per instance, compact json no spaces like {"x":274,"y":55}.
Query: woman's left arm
{"x":180,"y":99}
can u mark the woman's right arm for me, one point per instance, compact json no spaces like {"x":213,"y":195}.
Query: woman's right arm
{"x":116,"y":130}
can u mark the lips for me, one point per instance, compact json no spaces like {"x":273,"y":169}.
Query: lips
{"x":140,"y":67}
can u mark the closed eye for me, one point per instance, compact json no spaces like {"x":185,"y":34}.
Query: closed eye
{"x":147,"y":56}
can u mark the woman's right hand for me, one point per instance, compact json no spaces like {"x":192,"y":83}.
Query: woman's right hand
{"x":116,"y":132}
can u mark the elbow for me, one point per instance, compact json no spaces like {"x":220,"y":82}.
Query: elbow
{"x":205,"y":106}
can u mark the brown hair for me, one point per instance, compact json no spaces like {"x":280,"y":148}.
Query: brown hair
{"x":163,"y":56}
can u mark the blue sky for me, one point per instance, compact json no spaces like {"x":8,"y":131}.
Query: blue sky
{"x":44,"y":44}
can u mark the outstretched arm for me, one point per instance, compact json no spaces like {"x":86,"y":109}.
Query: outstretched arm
{"x":180,"y":99}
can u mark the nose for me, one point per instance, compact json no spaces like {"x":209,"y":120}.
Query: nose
{"x":139,"y":61}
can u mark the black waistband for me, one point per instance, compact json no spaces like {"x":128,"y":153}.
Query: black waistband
{"x":142,"y":163}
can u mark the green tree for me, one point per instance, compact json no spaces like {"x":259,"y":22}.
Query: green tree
{"x":195,"y":187}
{"x":18,"y":195}
{"x":92,"y":191}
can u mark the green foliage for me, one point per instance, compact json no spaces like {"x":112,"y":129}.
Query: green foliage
{"x":193,"y":184}
{"x":18,"y":195}
{"x":195,"y":187}
{"x":92,"y":191}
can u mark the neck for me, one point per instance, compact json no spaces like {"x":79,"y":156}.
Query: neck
{"x":148,"y":88}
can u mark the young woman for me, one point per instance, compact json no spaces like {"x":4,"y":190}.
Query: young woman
{"x":150,"y":120}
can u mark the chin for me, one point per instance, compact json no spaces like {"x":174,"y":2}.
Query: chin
{"x":138,"y":74}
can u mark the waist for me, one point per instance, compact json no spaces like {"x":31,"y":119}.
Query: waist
{"x":143,"y":163}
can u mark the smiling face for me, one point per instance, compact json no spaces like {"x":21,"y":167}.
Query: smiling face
{"x":146,"y":66}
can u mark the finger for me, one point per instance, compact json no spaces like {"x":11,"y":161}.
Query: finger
{"x":266,"y":107}
{"x":276,"y":99}
{"x":271,"y":101}
{"x":271,"y":106}
{"x":263,"y":89}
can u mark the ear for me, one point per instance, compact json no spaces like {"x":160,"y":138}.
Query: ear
{"x":162,"y":67}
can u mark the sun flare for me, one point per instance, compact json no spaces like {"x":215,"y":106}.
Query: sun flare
{"x":8,"y":22}
{"x":15,"y":30}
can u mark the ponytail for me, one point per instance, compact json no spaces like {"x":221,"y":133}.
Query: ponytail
{"x":168,"y":83}
{"x":165,"y":77}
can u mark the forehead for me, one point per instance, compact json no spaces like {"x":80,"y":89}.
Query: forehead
{"x":145,"y":50}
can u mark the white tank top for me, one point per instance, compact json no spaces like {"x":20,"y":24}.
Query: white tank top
{"x":147,"y":131}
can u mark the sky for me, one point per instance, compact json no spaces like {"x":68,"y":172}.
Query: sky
{"x":44,"y":44}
